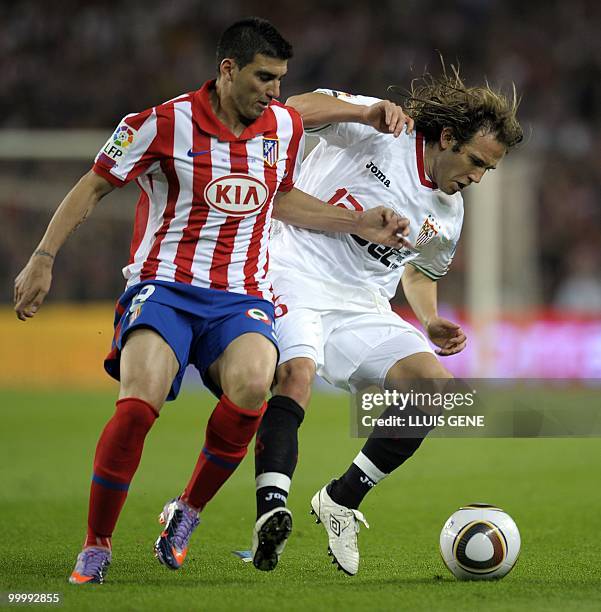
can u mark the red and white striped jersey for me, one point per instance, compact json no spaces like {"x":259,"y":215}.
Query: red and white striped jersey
{"x":204,"y":213}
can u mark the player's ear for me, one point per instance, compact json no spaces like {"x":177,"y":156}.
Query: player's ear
{"x":447,"y":138}
{"x":226,"y":68}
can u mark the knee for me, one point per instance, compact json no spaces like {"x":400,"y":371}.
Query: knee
{"x":295,"y":378}
{"x":296,"y":374}
{"x":247,"y":387}
{"x":145,"y":386}
{"x":435,"y":377}
{"x":423,"y":366}
{"x":434,"y":370}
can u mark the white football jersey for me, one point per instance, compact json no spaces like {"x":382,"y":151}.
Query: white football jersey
{"x":357,"y":167}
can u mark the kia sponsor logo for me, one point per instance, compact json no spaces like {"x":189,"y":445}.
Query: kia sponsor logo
{"x":236,"y":194}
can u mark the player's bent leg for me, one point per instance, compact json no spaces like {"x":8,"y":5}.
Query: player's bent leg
{"x":244,"y":371}
{"x":148,"y":366}
{"x":385,"y":451}
{"x":276,"y":455}
{"x":337,"y":503}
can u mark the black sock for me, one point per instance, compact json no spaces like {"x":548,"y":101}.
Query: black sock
{"x":385,"y":455}
{"x":378,"y":458}
{"x":350,"y":489}
{"x":276,"y":452}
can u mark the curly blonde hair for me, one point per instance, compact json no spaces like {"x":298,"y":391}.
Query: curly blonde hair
{"x":445,"y":101}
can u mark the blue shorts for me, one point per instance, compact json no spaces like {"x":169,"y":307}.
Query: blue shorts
{"x":198,"y":324}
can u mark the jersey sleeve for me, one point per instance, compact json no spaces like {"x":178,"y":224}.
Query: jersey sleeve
{"x":296,"y":150}
{"x":344,"y":134}
{"x":435,"y":258}
{"x":131,"y":150}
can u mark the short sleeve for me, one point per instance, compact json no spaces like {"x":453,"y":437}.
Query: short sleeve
{"x":344,"y":134}
{"x":435,"y":258}
{"x":296,"y":150}
{"x":130,"y":150}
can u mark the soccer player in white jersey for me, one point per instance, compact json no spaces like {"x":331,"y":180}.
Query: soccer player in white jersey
{"x":212,"y":166}
{"x":332,"y":290}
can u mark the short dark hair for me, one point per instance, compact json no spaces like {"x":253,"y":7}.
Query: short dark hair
{"x":245,"y":38}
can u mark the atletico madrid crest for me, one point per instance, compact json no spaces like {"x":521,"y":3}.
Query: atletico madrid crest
{"x":428,"y":231}
{"x":271,"y":150}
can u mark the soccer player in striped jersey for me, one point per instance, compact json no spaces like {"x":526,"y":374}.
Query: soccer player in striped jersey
{"x":332,"y":307}
{"x":213,"y":166}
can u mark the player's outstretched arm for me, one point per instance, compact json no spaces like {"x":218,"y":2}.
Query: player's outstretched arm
{"x":421,"y":293}
{"x":33,"y":282}
{"x":319,"y":109}
{"x":381,"y":225}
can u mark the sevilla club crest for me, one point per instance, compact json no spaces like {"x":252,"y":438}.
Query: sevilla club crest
{"x":428,"y":231}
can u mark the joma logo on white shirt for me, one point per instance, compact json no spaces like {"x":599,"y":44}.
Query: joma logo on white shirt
{"x":378,"y":173}
{"x":236,"y":194}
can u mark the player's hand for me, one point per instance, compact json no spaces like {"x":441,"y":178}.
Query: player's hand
{"x":388,"y":118}
{"x":383,"y":226}
{"x":448,"y":336}
{"x":32,"y":285}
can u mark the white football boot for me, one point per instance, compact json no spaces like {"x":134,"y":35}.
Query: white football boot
{"x":270,"y":533}
{"x":342,"y":526}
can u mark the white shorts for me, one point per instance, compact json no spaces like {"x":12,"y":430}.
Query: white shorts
{"x":351,"y":350}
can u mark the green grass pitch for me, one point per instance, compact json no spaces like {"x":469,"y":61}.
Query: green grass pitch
{"x":550,"y":487}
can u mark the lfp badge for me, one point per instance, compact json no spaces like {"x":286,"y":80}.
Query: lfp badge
{"x":123,"y":136}
{"x":116,"y":146}
{"x":271,"y":150}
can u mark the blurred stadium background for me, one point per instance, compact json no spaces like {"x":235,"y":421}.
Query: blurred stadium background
{"x":526,"y":279}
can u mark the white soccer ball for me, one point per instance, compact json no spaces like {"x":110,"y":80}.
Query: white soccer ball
{"x":480,"y":542}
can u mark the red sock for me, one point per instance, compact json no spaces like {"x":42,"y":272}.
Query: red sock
{"x":229,"y":432}
{"x":117,"y":457}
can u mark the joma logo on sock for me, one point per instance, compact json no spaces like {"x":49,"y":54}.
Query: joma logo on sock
{"x":365,"y":480}
{"x":279,"y":496}
{"x":378,"y":173}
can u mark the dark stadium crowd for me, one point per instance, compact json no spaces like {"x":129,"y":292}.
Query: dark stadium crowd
{"x":69,"y":64}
